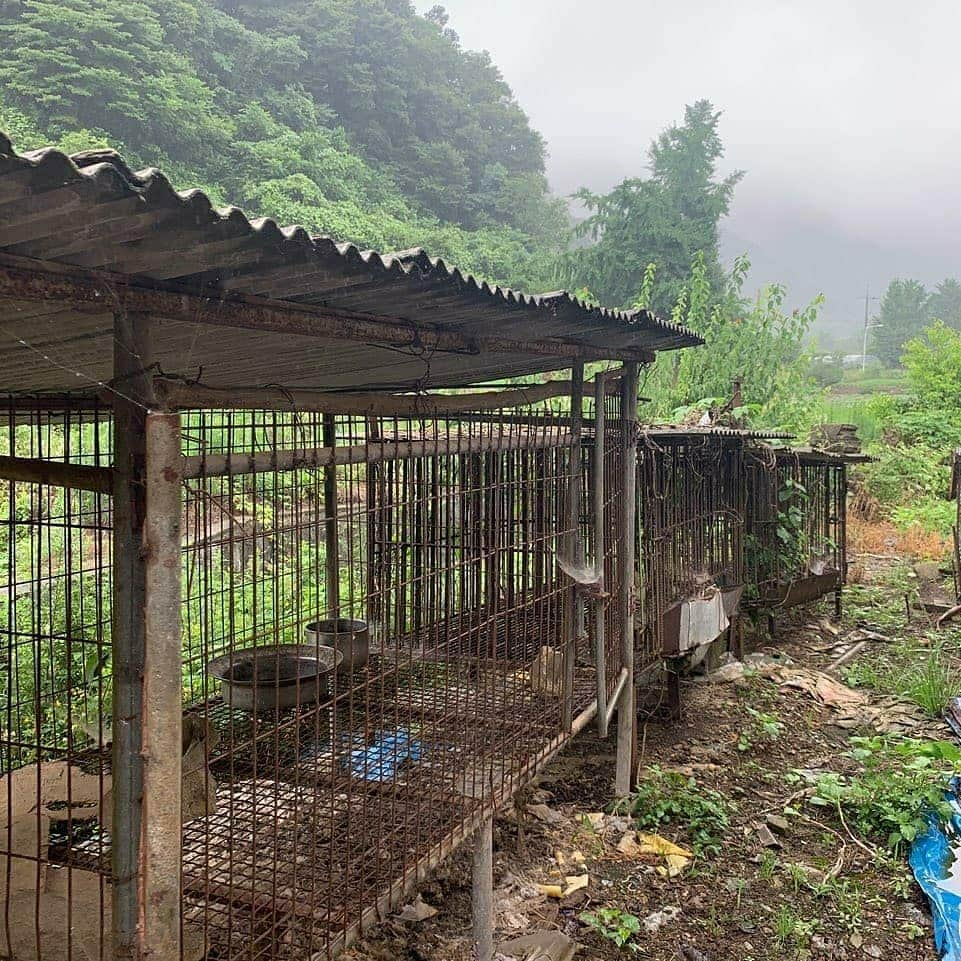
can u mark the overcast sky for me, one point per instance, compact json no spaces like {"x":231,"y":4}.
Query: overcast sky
{"x":845,"y":116}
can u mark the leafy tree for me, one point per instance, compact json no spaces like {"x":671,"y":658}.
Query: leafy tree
{"x":355,"y":118}
{"x":902,"y":316}
{"x":758,"y":342}
{"x":666,"y":218}
{"x":945,"y":303}
{"x":933,"y":365}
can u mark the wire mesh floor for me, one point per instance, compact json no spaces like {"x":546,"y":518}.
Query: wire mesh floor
{"x":312,"y":834}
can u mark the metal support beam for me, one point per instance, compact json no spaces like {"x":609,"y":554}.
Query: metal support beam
{"x":161,"y":845}
{"x":483,"y":891}
{"x":331,"y":539}
{"x":132,"y":357}
{"x":600,"y":551}
{"x":99,"y":291}
{"x":624,"y":775}
{"x":573,"y":617}
{"x":374,"y":452}
{"x":178,"y":396}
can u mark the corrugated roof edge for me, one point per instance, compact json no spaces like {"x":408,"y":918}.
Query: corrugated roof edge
{"x":107,"y":169}
{"x":667,"y":430}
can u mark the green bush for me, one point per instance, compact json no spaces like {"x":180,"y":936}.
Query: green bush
{"x":933,"y":365}
{"x":906,"y":475}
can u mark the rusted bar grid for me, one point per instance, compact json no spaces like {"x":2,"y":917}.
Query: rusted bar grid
{"x":796,"y":528}
{"x":691,"y":492}
{"x":464,"y":696}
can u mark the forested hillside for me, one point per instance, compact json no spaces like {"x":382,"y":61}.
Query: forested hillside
{"x":359,"y":119}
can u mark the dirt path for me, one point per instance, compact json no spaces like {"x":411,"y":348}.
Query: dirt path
{"x":781,"y":878}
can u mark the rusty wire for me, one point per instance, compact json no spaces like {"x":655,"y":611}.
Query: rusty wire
{"x":305,"y":823}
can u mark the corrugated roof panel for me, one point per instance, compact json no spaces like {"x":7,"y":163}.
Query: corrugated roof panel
{"x":93,"y":211}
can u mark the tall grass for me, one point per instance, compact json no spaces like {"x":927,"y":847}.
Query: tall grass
{"x":856,"y":409}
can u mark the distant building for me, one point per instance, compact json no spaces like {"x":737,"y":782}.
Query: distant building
{"x":856,"y":360}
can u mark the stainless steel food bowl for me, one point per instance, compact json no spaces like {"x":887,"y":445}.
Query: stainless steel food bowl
{"x":350,"y":638}
{"x":276,"y":677}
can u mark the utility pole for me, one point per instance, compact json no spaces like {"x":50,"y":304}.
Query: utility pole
{"x":867,"y":326}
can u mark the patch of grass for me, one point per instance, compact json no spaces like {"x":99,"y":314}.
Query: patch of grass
{"x":666,"y":797}
{"x":926,"y":675}
{"x":769,"y":864}
{"x":934,"y":681}
{"x":902,"y":781}
{"x":789,"y":928}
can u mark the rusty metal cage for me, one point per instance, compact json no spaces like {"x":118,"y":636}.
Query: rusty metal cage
{"x":796,"y":527}
{"x":690,"y":521}
{"x":391,"y":594}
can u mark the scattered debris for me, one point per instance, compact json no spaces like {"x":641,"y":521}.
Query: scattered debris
{"x":539,"y":946}
{"x":778,"y":824}
{"x":418,"y":910}
{"x":546,"y":814}
{"x":766,"y":837}
{"x":676,"y":858}
{"x":932,"y":856}
{"x":658,"y":919}
{"x":830,"y":692}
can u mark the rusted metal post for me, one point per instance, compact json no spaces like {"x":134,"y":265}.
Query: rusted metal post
{"x":132,"y":358}
{"x":161,"y":847}
{"x":483,"y":891}
{"x":573,"y":616}
{"x":623,"y":778}
{"x":600,"y":550}
{"x":331,"y":539}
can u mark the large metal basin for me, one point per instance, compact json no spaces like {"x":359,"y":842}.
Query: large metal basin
{"x":276,"y":677}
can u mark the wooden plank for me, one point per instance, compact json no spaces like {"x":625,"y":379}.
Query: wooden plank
{"x":132,"y":357}
{"x":56,"y":474}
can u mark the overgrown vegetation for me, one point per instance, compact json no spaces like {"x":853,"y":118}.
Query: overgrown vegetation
{"x":924,"y":673}
{"x":358,"y":119}
{"x":669,"y":798}
{"x":900,"y":786}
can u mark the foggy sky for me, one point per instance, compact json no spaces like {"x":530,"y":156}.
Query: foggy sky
{"x":844,"y":114}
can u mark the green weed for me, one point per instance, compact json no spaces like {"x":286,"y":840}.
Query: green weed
{"x":762,"y":727}
{"x":901,"y":781}
{"x":613,"y":925}
{"x":791,"y":929}
{"x":666,"y":797}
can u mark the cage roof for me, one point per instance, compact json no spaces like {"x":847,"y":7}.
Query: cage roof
{"x":96,"y":219}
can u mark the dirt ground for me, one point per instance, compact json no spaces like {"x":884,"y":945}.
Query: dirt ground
{"x":787,"y":879}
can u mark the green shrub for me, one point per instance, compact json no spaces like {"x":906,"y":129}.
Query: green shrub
{"x":904,"y":474}
{"x":933,"y":365}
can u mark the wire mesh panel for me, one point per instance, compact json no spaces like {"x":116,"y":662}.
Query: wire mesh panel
{"x":55,"y":692}
{"x":691,"y":524}
{"x":796,"y":526}
{"x":604,"y":484}
{"x":377,"y":649}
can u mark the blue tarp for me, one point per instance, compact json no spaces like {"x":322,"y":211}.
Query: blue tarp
{"x":936,"y":864}
{"x":380,"y":760}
